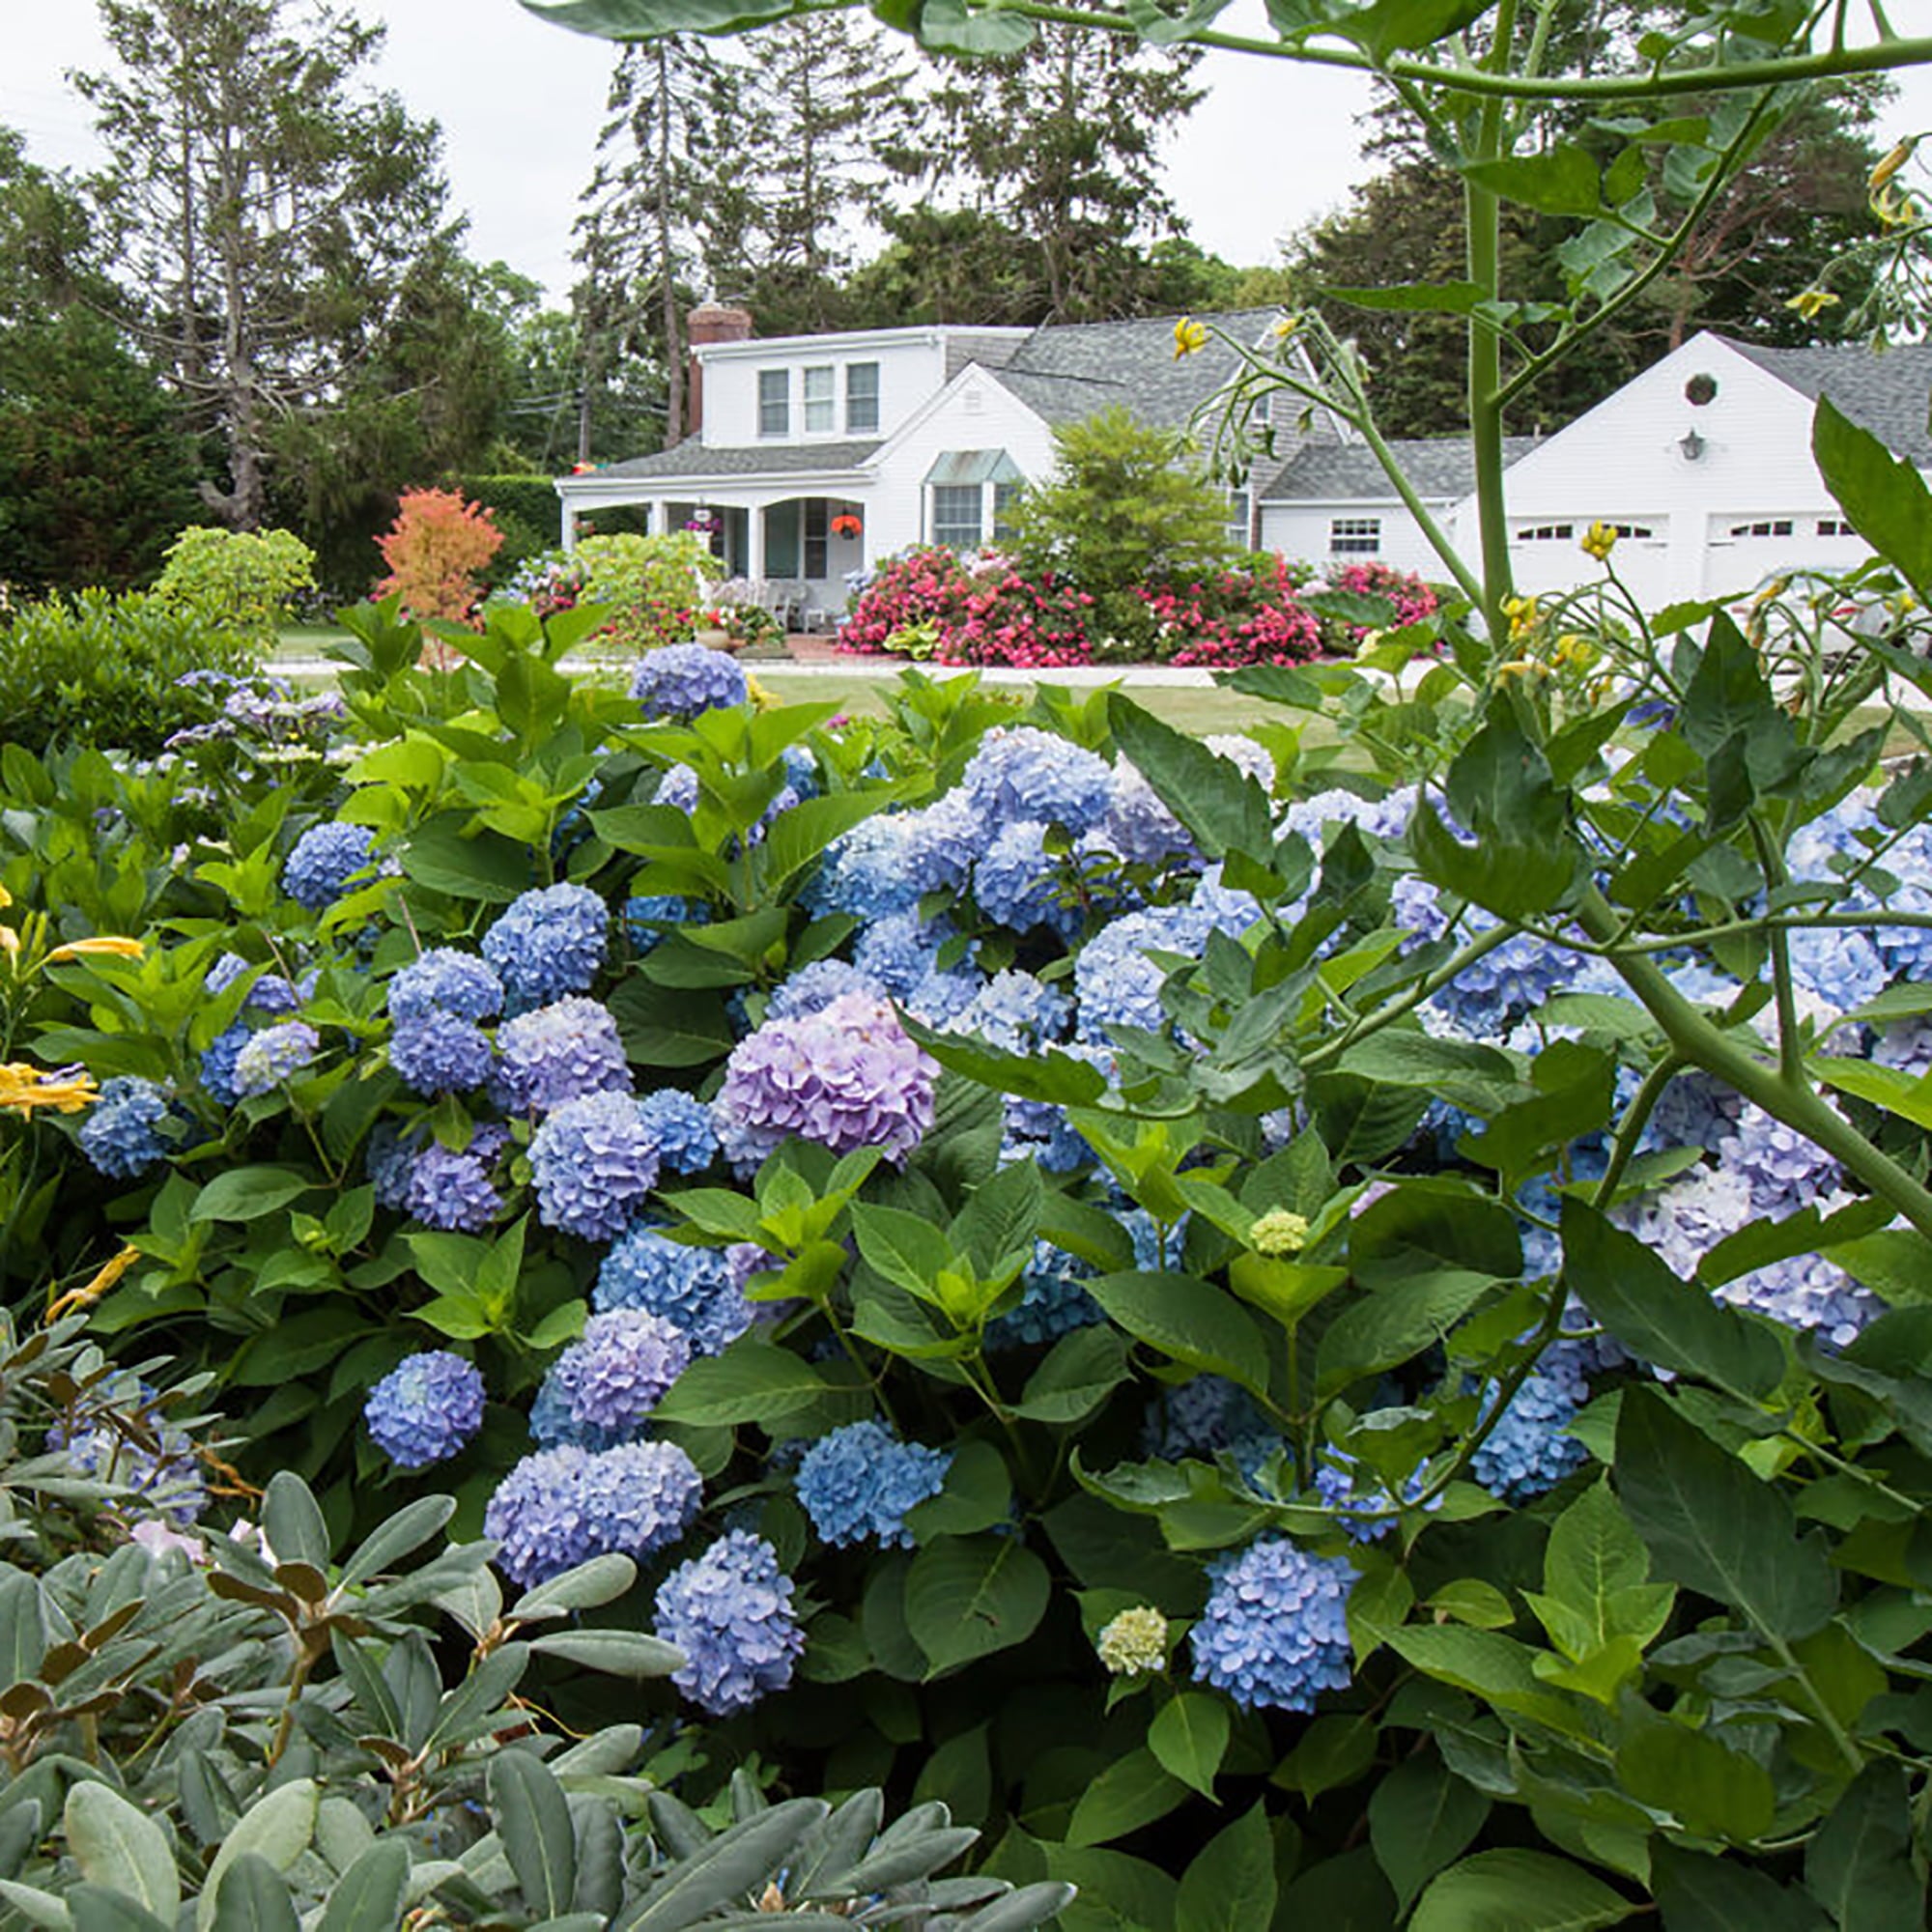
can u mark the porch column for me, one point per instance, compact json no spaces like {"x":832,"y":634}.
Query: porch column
{"x":755,"y":530}
{"x":569,"y":524}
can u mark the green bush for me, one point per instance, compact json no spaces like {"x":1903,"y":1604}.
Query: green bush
{"x":109,"y":669}
{"x":236,"y":581}
{"x":652,"y":585}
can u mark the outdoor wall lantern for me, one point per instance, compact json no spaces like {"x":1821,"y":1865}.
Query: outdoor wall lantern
{"x":1691,"y":444}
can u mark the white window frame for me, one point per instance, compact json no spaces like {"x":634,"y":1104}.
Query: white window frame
{"x":861,"y":409}
{"x":774,"y":402}
{"x":1354,"y":536}
{"x":820,"y":412}
{"x":1762,"y":526}
{"x":978,"y":493}
{"x":1241,"y":518}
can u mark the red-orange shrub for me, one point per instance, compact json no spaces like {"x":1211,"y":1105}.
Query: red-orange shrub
{"x":434,"y":549}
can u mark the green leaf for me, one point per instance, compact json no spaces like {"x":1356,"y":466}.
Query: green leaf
{"x":251,"y":1895}
{"x":1711,"y":1791}
{"x":585,"y":1586}
{"x":1187,"y":1319}
{"x":751,"y":1381}
{"x":1883,"y":496}
{"x":1658,"y":1317}
{"x":1494,"y":1666}
{"x":1706,"y":1894}
{"x":1713,"y":1524}
{"x":1860,"y":1863}
{"x":94,"y":1909}
{"x":1462,"y":1071}
{"x":291,"y":1522}
{"x":1518,"y":1892}
{"x":910,"y":1252}
{"x":533,"y":1820}
{"x":1189,"y":1736}
{"x":799,"y":836}
{"x":1132,"y":1791}
{"x":118,"y":1846}
{"x":967,"y":1597}
{"x":1888,"y":1087}
{"x":1560,"y":181}
{"x":276,"y":1827}
{"x":1222,"y":805}
{"x":1230,"y":1885}
{"x":1421,"y":1816}
{"x":1381,"y":1330}
{"x":978,"y":1495}
{"x":249,"y":1193}
{"x":731,"y":1864}
{"x":370,"y":1895}
{"x":486,"y":866}
{"x":616,"y":1652}
{"x":1081,"y":1370}
{"x":1002,"y":1217}
{"x":669,"y":1026}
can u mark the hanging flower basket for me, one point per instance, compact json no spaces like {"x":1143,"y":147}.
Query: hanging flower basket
{"x":846,"y":524}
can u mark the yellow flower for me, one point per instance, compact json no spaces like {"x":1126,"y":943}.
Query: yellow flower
{"x":1892,"y":162}
{"x":1522,"y":668}
{"x":1599,"y":541}
{"x":109,"y":943}
{"x":1285,"y":325}
{"x":1812,"y":302}
{"x":9,"y":942}
{"x":23,"y":1088}
{"x":5,"y":899}
{"x":1521,"y":613}
{"x":86,"y":1297}
{"x":1571,"y":649}
{"x":1189,"y":337}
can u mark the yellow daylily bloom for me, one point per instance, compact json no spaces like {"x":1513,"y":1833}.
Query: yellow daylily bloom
{"x":24,"y":1088}
{"x":1599,"y":541}
{"x":5,"y":899}
{"x":109,"y":943}
{"x":1189,"y":337}
{"x":1812,"y":302}
{"x":86,"y":1296}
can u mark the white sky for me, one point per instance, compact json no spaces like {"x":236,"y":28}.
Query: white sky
{"x":519,"y":103}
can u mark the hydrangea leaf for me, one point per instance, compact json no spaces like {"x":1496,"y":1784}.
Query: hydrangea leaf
{"x":1190,"y":1737}
{"x":1230,"y":1885}
{"x":968,"y":1597}
{"x":1518,"y":1892}
{"x":1132,"y":1791}
{"x":1709,"y":1894}
{"x":1189,"y":1319}
{"x":1710,"y":1790}
{"x":1422,"y":1816}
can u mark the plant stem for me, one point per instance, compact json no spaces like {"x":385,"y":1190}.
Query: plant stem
{"x":1483,"y":218}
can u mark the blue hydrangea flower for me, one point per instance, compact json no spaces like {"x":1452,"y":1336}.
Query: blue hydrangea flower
{"x":547,"y":943}
{"x":1526,"y":1454}
{"x":561,"y":1507}
{"x":681,"y":680}
{"x":1274,"y":1634}
{"x":1014,"y":1012}
{"x":651,"y":918}
{"x":865,"y":871}
{"x":940,"y":844}
{"x":593,"y":1163}
{"x":1024,"y":773}
{"x":426,"y":1409}
{"x":1206,"y":1418}
{"x":1360,"y":1501}
{"x":322,"y":861}
{"x":452,"y":1190}
{"x":273,"y":1055}
{"x":1017,"y":883}
{"x":1055,"y":1302}
{"x":389,"y":1160}
{"x":444,"y":980}
{"x":697,"y":1289}
{"x":858,"y":1482}
{"x":1118,"y":983}
{"x":1786,"y":1171}
{"x":1138,"y":826}
{"x":900,"y":950}
{"x":166,"y":1476}
{"x":441,"y":1053}
{"x":557,"y":1053}
{"x":272,"y":993}
{"x":217,"y":1063}
{"x":678,"y":788}
{"x":940,"y":998}
{"x":681,"y":1125}
{"x":816,"y":986}
{"x":602,"y":1389}
{"x":120,"y":1134}
{"x":729,"y":1611}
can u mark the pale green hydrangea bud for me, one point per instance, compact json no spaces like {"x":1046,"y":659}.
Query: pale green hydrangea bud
{"x":1134,"y":1642}
{"x":1279,"y":1234}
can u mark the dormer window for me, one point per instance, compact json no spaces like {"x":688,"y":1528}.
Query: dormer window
{"x":820,"y":401}
{"x":774,"y":402}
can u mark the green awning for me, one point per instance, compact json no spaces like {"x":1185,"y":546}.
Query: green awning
{"x":955,"y":468}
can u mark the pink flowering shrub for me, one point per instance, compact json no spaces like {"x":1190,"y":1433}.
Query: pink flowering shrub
{"x":1238,"y":617}
{"x":920,"y":586}
{"x":1412,"y":597}
{"x":1029,"y":623}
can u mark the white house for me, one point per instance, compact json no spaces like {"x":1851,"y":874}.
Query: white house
{"x":817,"y":455}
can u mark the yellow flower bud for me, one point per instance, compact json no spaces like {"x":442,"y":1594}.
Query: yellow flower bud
{"x":1599,"y":540}
{"x":1189,"y":337}
{"x":106,"y":942}
{"x":1279,"y":1234}
{"x":1812,"y":302}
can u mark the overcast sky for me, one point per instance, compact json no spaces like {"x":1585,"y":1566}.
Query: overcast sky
{"x":519,"y":103}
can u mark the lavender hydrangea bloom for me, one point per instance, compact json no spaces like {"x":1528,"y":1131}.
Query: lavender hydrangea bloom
{"x":1024,"y":773}
{"x":118,"y":1135}
{"x":1017,"y":883}
{"x":273,"y":1055}
{"x":390,"y":1161}
{"x":729,"y":1611}
{"x":680,"y":1125}
{"x":1785,"y":1170}
{"x":1526,"y":1453}
{"x":444,"y":980}
{"x":681,"y":680}
{"x":601,"y":1390}
{"x":441,"y":1053}
{"x":561,"y":1507}
{"x":697,"y":1289}
{"x":426,"y":1409}
{"x":816,"y":986}
{"x":592,"y":1162}
{"x":1838,"y":965}
{"x":1117,"y":984}
{"x":846,"y":1077}
{"x":1138,"y":826}
{"x":557,"y":1053}
{"x":217,"y":1063}
{"x":1686,"y":1220}
{"x":452,"y":1190}
{"x":322,"y":861}
{"x":858,"y":1482}
{"x":1274,"y":1634}
{"x":547,"y":943}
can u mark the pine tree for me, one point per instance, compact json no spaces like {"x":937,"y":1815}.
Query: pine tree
{"x":270,"y":207}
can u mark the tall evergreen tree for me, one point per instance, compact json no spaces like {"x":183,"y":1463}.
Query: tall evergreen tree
{"x":1061,"y":143}
{"x":272,"y":211}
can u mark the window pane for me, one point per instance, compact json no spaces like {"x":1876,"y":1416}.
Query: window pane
{"x":861,"y":397}
{"x":818,"y":522}
{"x":1005,"y":496}
{"x":1355,"y":536}
{"x":819,"y":419}
{"x":774,"y":402}
{"x":955,"y":515}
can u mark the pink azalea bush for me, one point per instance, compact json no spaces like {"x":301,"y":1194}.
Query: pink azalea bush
{"x":1412,"y":597}
{"x":1239,"y":617}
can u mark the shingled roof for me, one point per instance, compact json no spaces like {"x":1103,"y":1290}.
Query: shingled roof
{"x":1441,"y":468}
{"x":771,"y":458}
{"x":1887,"y":392}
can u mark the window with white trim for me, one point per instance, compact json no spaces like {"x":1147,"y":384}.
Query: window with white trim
{"x":1639,"y":532}
{"x":1834,"y":526}
{"x":1354,"y":536}
{"x":1240,"y":514}
{"x":957,"y":515}
{"x":1763,"y":526}
{"x":820,"y":402}
{"x":817,"y":536}
{"x":1005,"y":496}
{"x":774,"y":402}
{"x":1546,"y":533}
{"x":862,"y":398}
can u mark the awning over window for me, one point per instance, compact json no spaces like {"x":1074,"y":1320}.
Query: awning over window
{"x":955,"y":468}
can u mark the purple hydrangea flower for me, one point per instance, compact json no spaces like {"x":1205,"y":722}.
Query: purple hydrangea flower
{"x":846,"y":1077}
{"x":444,"y":980}
{"x":602,"y":1389}
{"x":680,"y":1125}
{"x":441,"y":1053}
{"x":120,"y":1134}
{"x":1274,"y":1634}
{"x":858,"y":1482}
{"x":593,"y":1161}
{"x":547,"y":943}
{"x":561,"y":1507}
{"x":426,"y":1409}
{"x":729,"y":1611}
{"x":453,"y":1190}
{"x":1024,"y":773}
{"x":697,"y":1289}
{"x":681,"y":680}
{"x":322,"y":861}
{"x":1138,"y":826}
{"x":273,"y":1055}
{"x":560,"y":1052}
{"x":1118,"y":983}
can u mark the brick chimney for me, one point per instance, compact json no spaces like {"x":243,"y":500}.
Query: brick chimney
{"x":709,"y":322}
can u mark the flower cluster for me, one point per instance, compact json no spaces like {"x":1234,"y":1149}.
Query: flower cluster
{"x":121,"y":1136}
{"x":561,"y":1507}
{"x":857,"y":1484}
{"x":547,"y":943}
{"x":694,"y":1289}
{"x":592,"y":1162}
{"x":602,"y":1389}
{"x":427,"y":1409}
{"x":1274,"y":1634}
{"x":278,"y":1053}
{"x":681,"y":680}
{"x":322,"y":861}
{"x":559,"y":1053}
{"x":1238,"y":617}
{"x":729,"y":1611}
